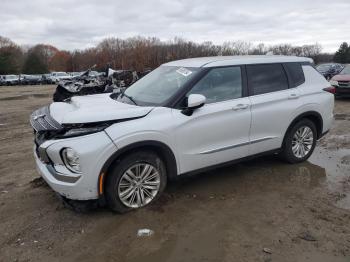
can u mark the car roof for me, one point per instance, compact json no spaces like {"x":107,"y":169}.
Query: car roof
{"x":236,"y":60}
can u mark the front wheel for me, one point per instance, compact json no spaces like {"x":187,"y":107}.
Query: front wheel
{"x":300,"y":142}
{"x":135,"y":181}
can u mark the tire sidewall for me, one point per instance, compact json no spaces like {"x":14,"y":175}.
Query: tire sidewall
{"x":118,"y":170}
{"x":288,"y":152}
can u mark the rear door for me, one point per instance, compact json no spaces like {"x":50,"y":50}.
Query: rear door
{"x":272,"y":104}
{"x":219,"y":131}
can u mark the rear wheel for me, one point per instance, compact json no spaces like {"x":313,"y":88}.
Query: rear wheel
{"x":135,"y":181}
{"x":300,"y":141}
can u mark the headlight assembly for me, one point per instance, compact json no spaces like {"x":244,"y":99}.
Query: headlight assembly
{"x":83,"y":131}
{"x":71,"y":159}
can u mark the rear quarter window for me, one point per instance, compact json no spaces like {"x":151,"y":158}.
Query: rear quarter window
{"x":295,"y":74}
{"x":266,"y":78}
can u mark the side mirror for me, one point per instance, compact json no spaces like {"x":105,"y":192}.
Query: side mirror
{"x":194,"y":101}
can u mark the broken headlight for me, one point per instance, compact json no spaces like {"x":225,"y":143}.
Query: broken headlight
{"x":71,"y":159}
{"x":81,"y":131}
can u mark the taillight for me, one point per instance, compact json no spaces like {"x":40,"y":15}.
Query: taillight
{"x":330,"y":89}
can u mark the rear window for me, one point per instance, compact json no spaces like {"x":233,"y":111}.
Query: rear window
{"x":295,"y":74}
{"x":266,"y":78}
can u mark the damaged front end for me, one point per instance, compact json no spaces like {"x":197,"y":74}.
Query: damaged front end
{"x":47,"y":128}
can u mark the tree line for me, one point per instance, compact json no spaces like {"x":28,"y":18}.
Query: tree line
{"x":141,"y":53}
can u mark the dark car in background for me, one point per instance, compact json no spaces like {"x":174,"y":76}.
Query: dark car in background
{"x":31,"y":80}
{"x":45,"y":79}
{"x":329,"y":70}
{"x":341,"y":82}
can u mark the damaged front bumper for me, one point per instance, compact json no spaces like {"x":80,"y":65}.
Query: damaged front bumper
{"x":93,"y":151}
{"x":62,"y":184}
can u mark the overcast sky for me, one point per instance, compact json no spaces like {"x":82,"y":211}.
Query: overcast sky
{"x":76,"y":24}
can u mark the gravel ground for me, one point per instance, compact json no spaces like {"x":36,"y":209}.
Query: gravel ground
{"x":261,"y":210}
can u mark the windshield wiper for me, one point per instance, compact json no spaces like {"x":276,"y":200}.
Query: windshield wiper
{"x":122,"y":93}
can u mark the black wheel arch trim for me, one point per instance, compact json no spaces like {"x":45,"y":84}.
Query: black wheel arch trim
{"x":161,"y":148}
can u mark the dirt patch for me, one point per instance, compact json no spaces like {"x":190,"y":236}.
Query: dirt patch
{"x":295,"y":212}
{"x":23,"y":97}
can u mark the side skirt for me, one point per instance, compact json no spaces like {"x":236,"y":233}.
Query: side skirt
{"x":229,"y":163}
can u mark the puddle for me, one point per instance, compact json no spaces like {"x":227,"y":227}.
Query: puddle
{"x":325,"y":168}
{"x":266,"y":174}
{"x":337,"y":167}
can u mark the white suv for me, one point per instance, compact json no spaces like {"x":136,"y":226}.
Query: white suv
{"x":55,"y":77}
{"x":184,"y":117}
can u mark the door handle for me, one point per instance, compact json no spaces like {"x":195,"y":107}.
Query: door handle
{"x":293,"y":96}
{"x":240,"y":107}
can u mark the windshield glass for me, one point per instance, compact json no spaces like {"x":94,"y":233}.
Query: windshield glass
{"x":158,"y":86}
{"x":345,"y":71}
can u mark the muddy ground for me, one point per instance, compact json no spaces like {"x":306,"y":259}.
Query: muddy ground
{"x":295,"y":212}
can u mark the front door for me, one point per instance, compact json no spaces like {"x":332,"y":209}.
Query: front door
{"x":218,"y":132}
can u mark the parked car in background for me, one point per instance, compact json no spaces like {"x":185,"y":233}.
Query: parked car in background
{"x":21,"y":79}
{"x":184,"y":117}
{"x":55,"y":77}
{"x":341,"y":82}
{"x":45,"y":79}
{"x":10,"y":80}
{"x":75,"y":74}
{"x":329,"y":70}
{"x":31,"y":80}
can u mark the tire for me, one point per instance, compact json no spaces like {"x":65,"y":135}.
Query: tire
{"x":297,"y":156}
{"x":118,"y":182}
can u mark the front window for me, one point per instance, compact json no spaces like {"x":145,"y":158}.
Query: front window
{"x":158,"y":86}
{"x":345,"y":71}
{"x":220,"y":84}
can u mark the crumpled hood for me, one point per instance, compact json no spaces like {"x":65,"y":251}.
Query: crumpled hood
{"x":94,"y":108}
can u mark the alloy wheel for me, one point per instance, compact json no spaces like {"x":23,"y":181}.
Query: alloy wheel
{"x":138,"y":185}
{"x":302,"y":142}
